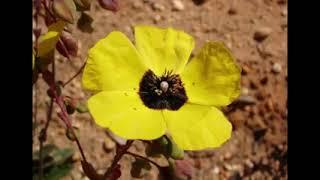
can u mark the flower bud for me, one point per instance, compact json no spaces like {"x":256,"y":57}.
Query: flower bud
{"x":111,"y":5}
{"x":71,"y":134}
{"x":67,"y":45}
{"x":82,"y":108}
{"x":65,"y":9}
{"x":70,"y":104}
{"x":83,"y":5}
{"x":174,"y":151}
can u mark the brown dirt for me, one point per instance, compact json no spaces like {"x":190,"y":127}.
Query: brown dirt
{"x":258,"y":147}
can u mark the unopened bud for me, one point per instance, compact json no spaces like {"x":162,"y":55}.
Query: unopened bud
{"x":70,"y":133}
{"x":83,"y":5}
{"x":68,"y":45}
{"x":58,"y":89}
{"x":65,"y":9}
{"x":70,"y":104}
{"x":82,"y":108}
{"x":111,"y":5}
{"x":174,"y":151}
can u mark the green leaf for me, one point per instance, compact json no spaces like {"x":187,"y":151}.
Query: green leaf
{"x":56,"y":162}
{"x":62,"y":155}
{"x":46,"y":150}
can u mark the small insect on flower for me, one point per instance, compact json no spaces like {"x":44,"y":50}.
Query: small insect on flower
{"x":150,"y":89}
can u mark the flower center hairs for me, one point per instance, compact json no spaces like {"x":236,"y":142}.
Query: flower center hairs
{"x":165,"y":92}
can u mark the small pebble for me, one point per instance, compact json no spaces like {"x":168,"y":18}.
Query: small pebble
{"x":227,"y":156}
{"x":262,"y":33}
{"x":276,"y":68}
{"x":76,"y":156}
{"x":244,"y":91}
{"x":158,"y":7}
{"x":227,"y":166}
{"x":177,"y":5}
{"x":245,"y":70}
{"x":216,"y":170}
{"x":229,"y":44}
{"x":284,"y":13}
{"x":108,"y":145}
{"x":137,"y":5}
{"x":264,"y":80}
{"x":249,"y":163}
{"x":157,"y":18}
{"x":232,"y":11}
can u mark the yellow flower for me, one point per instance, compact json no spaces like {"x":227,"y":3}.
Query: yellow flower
{"x":146,"y":91}
{"x":48,"y":41}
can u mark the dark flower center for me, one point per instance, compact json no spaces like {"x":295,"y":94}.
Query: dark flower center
{"x":165,"y":92}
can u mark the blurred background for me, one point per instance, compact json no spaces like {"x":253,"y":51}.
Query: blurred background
{"x":256,"y":33}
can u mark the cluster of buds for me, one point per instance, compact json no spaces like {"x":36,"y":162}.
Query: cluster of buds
{"x":68,"y":12}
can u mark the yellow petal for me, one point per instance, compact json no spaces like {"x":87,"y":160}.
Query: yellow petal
{"x":212,"y":77}
{"x":196,"y":127}
{"x":164,"y":49}
{"x":113,"y":64}
{"x":48,"y":41}
{"x":126,"y":116}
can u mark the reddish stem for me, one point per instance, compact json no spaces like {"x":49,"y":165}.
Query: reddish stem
{"x":121,"y":150}
{"x":59,"y":101}
{"x":74,"y":76}
{"x":144,"y":158}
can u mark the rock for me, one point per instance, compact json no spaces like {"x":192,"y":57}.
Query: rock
{"x":156,"y":18}
{"x":249,"y":163}
{"x":177,"y":5}
{"x":227,"y":166}
{"x":128,"y":29}
{"x":227,"y":155}
{"x":244,"y":91}
{"x":76,"y":156}
{"x":137,"y":5}
{"x":276,"y":68}
{"x":265,"y":51}
{"x":262,"y":33}
{"x":229,"y":45}
{"x":284,"y":13}
{"x":158,"y":7}
{"x":260,"y":95}
{"x":108,"y":145}
{"x":245,"y":69}
{"x":216,"y":170}
{"x":232,"y":11}
{"x":253,"y":84}
{"x":264,"y":80}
